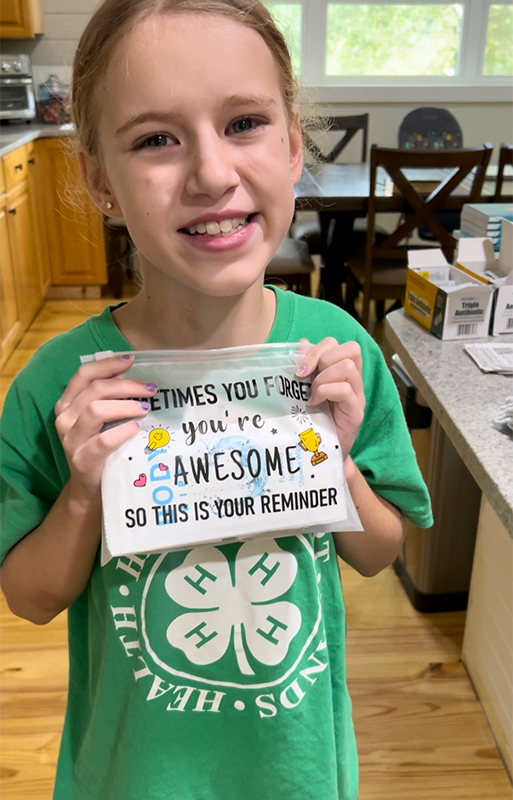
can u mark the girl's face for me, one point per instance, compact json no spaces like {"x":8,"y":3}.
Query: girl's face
{"x":198,"y":153}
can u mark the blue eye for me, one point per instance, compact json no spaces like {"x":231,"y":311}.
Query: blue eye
{"x":245,"y":124}
{"x":156,"y":141}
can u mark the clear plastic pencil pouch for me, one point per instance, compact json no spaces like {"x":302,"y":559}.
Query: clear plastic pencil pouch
{"x":229,"y":450}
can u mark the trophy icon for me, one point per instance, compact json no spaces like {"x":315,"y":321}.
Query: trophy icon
{"x":310,"y":441}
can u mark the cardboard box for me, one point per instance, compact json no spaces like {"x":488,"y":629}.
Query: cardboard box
{"x":476,"y":257}
{"x":448,"y":302}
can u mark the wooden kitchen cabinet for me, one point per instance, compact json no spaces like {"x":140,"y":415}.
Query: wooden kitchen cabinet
{"x":51,"y":233}
{"x":24,"y":252}
{"x":74,"y":224}
{"x":38,"y":196}
{"x":22,"y":287}
{"x":21,"y":19}
{"x":11,"y":329}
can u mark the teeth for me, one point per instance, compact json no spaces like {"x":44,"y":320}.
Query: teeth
{"x":227,"y":226}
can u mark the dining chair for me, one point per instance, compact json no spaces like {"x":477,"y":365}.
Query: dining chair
{"x":119,"y":251}
{"x":316,"y":232}
{"x":505,"y":159}
{"x":431,"y":128}
{"x":348,"y":127}
{"x":379,"y":270}
{"x":292,"y":267}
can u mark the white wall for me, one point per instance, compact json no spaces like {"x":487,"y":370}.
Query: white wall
{"x":491,"y":123}
{"x":65,"y":20}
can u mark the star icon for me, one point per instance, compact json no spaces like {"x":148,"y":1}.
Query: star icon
{"x":273,"y":430}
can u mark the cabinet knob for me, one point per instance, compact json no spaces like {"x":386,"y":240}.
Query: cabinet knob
{"x":12,"y":211}
{"x":32,"y":161}
{"x":18,"y":166}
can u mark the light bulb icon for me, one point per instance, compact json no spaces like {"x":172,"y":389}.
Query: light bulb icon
{"x":157,"y":438}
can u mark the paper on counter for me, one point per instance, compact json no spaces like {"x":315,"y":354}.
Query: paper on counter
{"x":492,"y":357}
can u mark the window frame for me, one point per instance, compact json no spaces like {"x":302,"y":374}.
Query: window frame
{"x":469,"y":85}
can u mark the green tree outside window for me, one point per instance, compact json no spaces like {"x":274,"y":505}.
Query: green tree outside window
{"x":288,"y":18}
{"x":499,"y":35}
{"x":393,"y":40}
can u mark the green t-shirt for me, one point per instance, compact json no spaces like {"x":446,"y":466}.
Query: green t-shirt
{"x":250,"y":701}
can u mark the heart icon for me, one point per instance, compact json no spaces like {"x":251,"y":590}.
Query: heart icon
{"x":163,"y":467}
{"x":141,"y":480}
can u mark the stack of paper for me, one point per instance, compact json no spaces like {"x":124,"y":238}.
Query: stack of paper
{"x":485,"y":219}
{"x":492,"y":357}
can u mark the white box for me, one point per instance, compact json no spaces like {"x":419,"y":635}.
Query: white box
{"x":476,"y":257}
{"x":446,"y":301}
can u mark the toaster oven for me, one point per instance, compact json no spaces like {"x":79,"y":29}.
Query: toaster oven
{"x":17,"y":101}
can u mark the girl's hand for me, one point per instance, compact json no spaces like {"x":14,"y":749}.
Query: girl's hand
{"x":94,"y":397}
{"x":338,"y":380}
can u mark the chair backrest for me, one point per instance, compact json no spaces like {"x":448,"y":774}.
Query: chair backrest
{"x":429,"y":128}
{"x":450,"y":168}
{"x":348,"y":127}
{"x":505,"y":159}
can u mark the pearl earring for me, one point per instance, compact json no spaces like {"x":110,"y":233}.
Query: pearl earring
{"x":110,"y":205}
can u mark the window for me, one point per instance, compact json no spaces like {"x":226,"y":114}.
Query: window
{"x":361,"y":39}
{"x":431,"y":43}
{"x":289,"y":17}
{"x":498,"y":58}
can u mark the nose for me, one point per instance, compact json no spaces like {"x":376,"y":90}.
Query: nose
{"x":212,"y":168}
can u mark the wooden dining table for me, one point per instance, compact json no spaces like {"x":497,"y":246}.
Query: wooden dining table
{"x":345,"y":187}
{"x":343,"y":191}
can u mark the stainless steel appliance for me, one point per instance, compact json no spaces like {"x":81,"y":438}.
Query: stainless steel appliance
{"x":17,"y":100}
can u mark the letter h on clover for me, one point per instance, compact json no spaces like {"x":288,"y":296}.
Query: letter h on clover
{"x":248,"y":605}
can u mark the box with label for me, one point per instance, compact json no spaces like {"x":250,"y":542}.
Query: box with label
{"x":476,"y":257}
{"x":445,"y":300}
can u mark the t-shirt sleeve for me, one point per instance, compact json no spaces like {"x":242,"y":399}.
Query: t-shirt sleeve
{"x":32,"y":464}
{"x":383,"y":451}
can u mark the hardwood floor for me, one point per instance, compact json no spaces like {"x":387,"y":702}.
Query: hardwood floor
{"x":421,"y":731}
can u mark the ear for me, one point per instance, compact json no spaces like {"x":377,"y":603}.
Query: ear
{"x":97,"y":185}
{"x":296,"y":146}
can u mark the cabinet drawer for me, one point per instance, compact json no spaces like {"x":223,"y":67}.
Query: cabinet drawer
{"x":15,"y":167}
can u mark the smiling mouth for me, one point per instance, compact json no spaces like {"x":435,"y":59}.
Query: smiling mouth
{"x":219,"y":230}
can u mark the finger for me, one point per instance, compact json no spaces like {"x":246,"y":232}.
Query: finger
{"x":95,"y":370}
{"x":343,"y":400}
{"x":328,"y":352}
{"x":92,"y":455}
{"x":310,"y":361}
{"x":108,"y":389}
{"x":93,"y":419}
{"x":350,"y":351}
{"x":342,"y":372}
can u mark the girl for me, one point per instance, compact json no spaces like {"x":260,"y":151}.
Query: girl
{"x":187,"y":127}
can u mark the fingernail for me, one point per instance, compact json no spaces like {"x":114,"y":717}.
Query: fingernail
{"x":137,"y":423}
{"x":145,"y":405}
{"x":127,"y":356}
{"x":152,"y":387}
{"x":308,"y":391}
{"x":301,"y":370}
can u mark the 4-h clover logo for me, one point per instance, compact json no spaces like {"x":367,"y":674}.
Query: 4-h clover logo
{"x":239,"y":608}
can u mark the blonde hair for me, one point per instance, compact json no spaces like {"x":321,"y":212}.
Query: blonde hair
{"x":114,"y":20}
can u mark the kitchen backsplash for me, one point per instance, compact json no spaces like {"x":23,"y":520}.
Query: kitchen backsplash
{"x":64,"y":21}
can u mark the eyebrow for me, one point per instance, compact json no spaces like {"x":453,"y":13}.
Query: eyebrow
{"x":234,"y":101}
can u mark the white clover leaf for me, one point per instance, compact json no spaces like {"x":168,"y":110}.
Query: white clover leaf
{"x":261,"y":623}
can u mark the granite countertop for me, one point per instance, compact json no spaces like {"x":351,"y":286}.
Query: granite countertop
{"x":13,"y":136}
{"x":465,"y":402}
